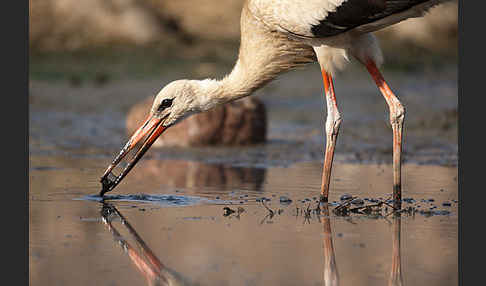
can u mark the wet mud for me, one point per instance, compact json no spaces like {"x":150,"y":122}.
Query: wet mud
{"x":71,"y":119}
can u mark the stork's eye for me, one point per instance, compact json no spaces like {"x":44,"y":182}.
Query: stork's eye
{"x":165,"y":103}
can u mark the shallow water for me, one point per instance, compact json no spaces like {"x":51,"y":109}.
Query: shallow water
{"x":70,"y":244}
{"x":166,"y":222}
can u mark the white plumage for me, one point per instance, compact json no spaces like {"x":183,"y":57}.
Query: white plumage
{"x":296,"y":19}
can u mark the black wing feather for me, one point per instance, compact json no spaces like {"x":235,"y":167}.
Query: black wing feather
{"x":354,"y":13}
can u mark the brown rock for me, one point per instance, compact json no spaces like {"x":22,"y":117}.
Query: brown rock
{"x":241,"y":122}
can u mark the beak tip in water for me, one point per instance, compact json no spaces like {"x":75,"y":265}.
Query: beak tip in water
{"x":102,"y":193}
{"x":106,"y":185}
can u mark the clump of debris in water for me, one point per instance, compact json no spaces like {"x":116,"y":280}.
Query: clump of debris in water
{"x":385,"y":207}
{"x":355,"y":206}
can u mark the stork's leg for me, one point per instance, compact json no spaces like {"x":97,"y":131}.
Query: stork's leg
{"x":397,"y":116}
{"x":333,"y":122}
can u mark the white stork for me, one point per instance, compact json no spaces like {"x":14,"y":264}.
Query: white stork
{"x":278,"y":35}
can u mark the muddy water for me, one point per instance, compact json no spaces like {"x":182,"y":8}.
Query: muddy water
{"x":166,"y":222}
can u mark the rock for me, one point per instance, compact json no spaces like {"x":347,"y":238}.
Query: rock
{"x":346,"y":197}
{"x":409,"y":200}
{"x":357,"y":201}
{"x":285,"y":200}
{"x":442,"y":212}
{"x":227,"y":211}
{"x":240,"y":122}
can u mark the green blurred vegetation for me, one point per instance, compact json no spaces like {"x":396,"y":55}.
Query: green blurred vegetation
{"x":114,"y":63}
{"x":118,"y":62}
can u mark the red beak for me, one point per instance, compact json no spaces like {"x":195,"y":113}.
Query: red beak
{"x":151,"y":129}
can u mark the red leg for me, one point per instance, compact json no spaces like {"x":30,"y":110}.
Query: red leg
{"x":397,"y":116}
{"x":333,"y":122}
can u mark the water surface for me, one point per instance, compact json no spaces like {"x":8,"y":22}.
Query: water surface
{"x":167,"y":221}
{"x":71,"y":245}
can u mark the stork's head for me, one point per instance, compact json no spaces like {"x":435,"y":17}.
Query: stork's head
{"x":174,"y":102}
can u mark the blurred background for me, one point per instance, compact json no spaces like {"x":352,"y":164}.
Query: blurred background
{"x":206,"y":30}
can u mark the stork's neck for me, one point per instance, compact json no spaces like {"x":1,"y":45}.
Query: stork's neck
{"x":248,"y":75}
{"x":240,"y":82}
{"x":263,"y":55}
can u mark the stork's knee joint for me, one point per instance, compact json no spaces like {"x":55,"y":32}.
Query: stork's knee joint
{"x":333,"y":123}
{"x":337,"y":124}
{"x":397,"y":114}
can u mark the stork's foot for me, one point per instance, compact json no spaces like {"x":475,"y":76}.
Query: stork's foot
{"x":323,"y":198}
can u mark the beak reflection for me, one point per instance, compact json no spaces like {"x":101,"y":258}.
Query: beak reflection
{"x":146,"y":262}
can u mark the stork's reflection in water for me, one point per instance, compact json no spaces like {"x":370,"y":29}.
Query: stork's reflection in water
{"x":146,"y":262}
{"x":396,"y":268}
{"x":156,"y":273}
{"x":331,"y":274}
